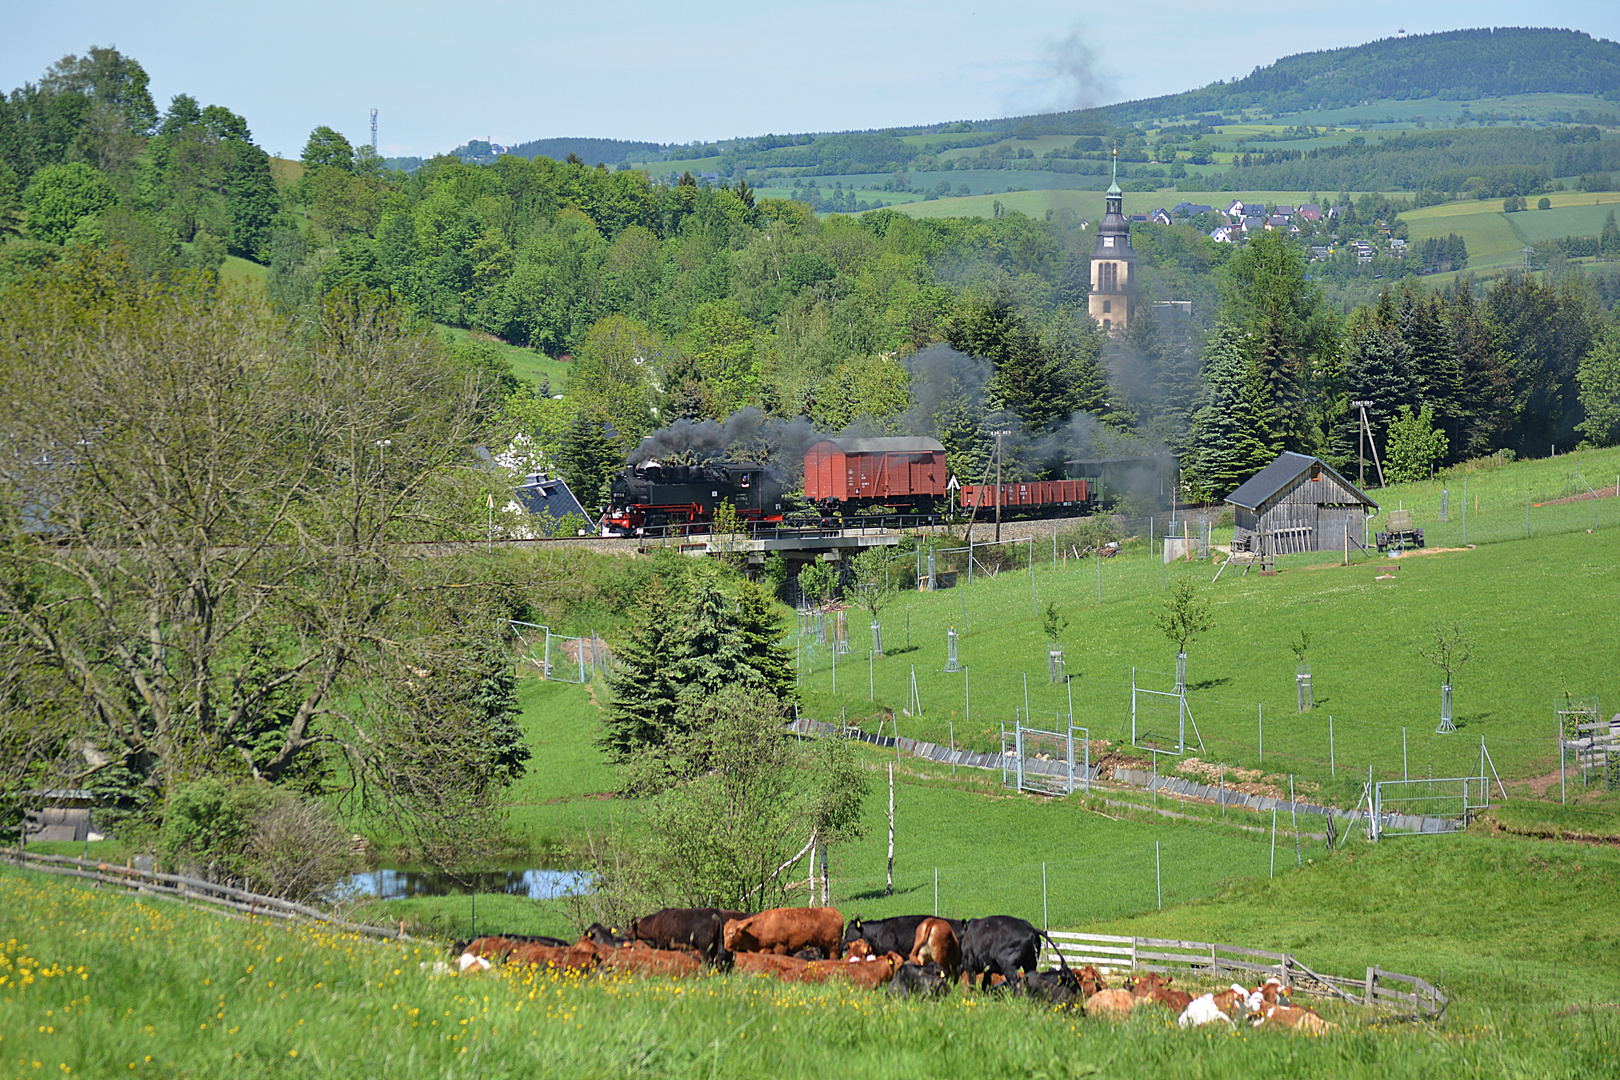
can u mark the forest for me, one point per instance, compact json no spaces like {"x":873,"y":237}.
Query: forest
{"x":686,"y":301}
{"x":1456,"y":65}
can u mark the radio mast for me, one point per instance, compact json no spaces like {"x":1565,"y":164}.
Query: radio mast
{"x":373,"y":131}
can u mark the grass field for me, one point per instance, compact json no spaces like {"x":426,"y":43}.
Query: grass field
{"x":1520,"y":934}
{"x":240,"y":269}
{"x":1088,"y":203}
{"x":1494,"y":239}
{"x":527,"y":364}
{"x":1367,"y":671}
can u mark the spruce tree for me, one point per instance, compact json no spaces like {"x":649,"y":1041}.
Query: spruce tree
{"x":1609,"y":239}
{"x":589,"y":457}
{"x":1487,"y":384}
{"x":1225,"y":446}
{"x":1434,"y":366}
{"x":645,"y":690}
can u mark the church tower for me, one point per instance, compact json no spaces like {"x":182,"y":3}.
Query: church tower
{"x":1113,"y":263}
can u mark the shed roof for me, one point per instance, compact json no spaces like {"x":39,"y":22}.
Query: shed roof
{"x":1288,"y":467}
{"x":916,"y":445}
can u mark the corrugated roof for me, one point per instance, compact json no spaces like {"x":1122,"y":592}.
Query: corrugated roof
{"x":1288,"y":467}
{"x":913,"y":445}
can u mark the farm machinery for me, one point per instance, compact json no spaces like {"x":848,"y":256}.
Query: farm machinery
{"x":1401,"y":535}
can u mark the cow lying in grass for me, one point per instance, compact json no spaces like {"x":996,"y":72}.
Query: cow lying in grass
{"x":925,"y":980}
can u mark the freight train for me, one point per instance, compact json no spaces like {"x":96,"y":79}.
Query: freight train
{"x":844,"y":480}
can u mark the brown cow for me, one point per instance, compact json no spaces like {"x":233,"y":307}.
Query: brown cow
{"x":1294,"y":1018}
{"x":785,"y":931}
{"x":1091,"y":981}
{"x":786,"y":968}
{"x":1114,"y":1004}
{"x":873,"y":972}
{"x":581,"y":957}
{"x":935,"y":942}
{"x":648,"y":961}
{"x":1154,"y":989}
{"x":490,"y":947}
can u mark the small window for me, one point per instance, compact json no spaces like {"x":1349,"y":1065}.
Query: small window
{"x":1316,"y":470}
{"x":1107,"y":325}
{"x":1108,"y":305}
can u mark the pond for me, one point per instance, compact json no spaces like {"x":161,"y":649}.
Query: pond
{"x":400,"y":884}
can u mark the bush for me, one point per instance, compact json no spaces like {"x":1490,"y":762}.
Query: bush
{"x":298,"y":850}
{"x":255,"y":834}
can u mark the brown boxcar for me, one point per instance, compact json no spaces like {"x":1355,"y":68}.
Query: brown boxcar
{"x":875,"y":472}
{"x":1031,"y":493}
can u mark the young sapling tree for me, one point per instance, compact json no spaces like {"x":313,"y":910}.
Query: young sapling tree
{"x":1449,"y":649}
{"x":1186,"y":613}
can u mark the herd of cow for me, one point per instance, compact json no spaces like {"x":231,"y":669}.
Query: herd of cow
{"x":908,"y":954}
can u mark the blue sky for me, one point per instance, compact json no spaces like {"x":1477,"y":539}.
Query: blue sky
{"x":440,"y":74}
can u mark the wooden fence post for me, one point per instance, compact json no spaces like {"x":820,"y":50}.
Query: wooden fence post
{"x":1372,"y":978}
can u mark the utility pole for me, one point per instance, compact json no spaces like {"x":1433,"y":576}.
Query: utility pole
{"x":999,"y":492}
{"x":1361,"y":450}
{"x":1366,"y":427}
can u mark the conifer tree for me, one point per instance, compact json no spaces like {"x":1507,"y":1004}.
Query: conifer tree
{"x":1486,"y":385}
{"x":1434,"y":365}
{"x":1225,"y":443}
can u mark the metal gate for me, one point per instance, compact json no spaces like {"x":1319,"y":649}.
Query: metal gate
{"x":557,"y":656}
{"x":1422,"y":807}
{"x":1045,"y":762}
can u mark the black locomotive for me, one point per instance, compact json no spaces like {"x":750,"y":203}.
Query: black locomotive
{"x":655,"y":495}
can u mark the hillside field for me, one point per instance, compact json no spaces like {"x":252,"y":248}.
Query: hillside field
{"x":1367,"y":633}
{"x":1519,"y":934}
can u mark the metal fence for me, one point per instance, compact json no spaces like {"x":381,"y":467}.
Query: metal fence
{"x":1046,"y":762}
{"x":561,"y":657}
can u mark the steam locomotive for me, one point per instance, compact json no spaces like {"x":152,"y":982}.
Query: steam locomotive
{"x":842,"y":478}
{"x":655,"y":495}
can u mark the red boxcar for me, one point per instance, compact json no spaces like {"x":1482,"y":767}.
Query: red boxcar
{"x":875,"y":472}
{"x":1032,"y":493}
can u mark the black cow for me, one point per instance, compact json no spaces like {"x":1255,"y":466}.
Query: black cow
{"x":1060,"y":987}
{"x":683,"y":928}
{"x":926,"y":979}
{"x":601,"y":935}
{"x":1005,"y":946}
{"x":898,"y":934}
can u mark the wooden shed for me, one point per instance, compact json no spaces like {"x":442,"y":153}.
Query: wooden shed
{"x":1298,"y":503}
{"x":898,"y":472}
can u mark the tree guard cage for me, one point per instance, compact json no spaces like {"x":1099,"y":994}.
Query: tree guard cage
{"x":1160,"y":717}
{"x":1587,"y":742}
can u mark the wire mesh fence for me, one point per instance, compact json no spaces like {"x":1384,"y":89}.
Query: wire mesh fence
{"x":1177,"y":864}
{"x":1489,"y":511}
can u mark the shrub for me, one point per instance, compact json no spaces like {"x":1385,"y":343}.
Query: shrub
{"x":257,"y":834}
{"x":298,"y":850}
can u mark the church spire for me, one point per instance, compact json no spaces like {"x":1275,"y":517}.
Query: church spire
{"x":1113,"y":188}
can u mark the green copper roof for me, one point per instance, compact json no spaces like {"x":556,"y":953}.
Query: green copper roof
{"x":1113,"y":189}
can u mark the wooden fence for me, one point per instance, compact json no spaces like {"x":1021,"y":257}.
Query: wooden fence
{"x":1212,"y":960}
{"x":188,"y":889}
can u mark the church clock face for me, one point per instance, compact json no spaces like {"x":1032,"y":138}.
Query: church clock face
{"x":1108,"y":241}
